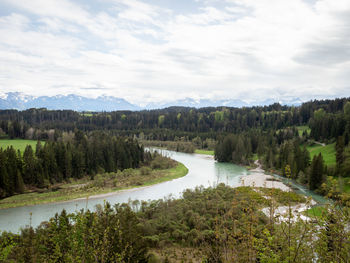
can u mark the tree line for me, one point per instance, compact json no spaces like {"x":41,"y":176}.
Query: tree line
{"x":68,"y":157}
{"x":180,"y":120}
{"x":268,"y":132}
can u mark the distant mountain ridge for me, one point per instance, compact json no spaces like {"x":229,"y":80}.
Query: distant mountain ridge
{"x":188,"y":102}
{"x":20,"y":101}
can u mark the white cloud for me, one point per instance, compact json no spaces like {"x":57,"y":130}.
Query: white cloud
{"x":62,"y":9}
{"x":245,"y":49}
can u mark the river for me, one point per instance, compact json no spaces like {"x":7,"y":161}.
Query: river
{"x":202,"y":170}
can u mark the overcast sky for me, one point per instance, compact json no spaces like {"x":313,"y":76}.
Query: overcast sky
{"x":161,"y":50}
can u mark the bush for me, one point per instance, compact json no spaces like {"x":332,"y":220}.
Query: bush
{"x":127,"y":172}
{"x":160,"y":162}
{"x":145,"y":170}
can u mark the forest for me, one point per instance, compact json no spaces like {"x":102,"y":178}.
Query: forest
{"x":67,"y":157}
{"x":237,"y":135}
{"x":166,"y":124}
{"x":308,"y":144}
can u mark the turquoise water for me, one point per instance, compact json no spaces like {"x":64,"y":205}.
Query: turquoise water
{"x":203,"y":171}
{"x":303,"y":190}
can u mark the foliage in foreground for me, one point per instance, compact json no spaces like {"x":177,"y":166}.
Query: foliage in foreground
{"x":211,"y":225}
{"x":107,"y":235}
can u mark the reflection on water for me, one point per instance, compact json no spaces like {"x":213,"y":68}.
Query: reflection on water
{"x":229,"y":174}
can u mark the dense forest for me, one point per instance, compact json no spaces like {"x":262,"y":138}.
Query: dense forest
{"x":166,"y":124}
{"x":236,"y":134}
{"x":73,"y":155}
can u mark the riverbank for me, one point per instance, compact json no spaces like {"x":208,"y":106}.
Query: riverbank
{"x":258,"y":178}
{"x":204,"y":152}
{"x":106,"y":184}
{"x":177,"y":146}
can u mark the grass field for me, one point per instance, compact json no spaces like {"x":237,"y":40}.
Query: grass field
{"x":87,"y":114}
{"x":207,"y":152}
{"x":18,"y":144}
{"x":328,"y":152}
{"x":301,"y":129}
{"x":347,"y":186}
{"x":315,"y":211}
{"x":84,"y":188}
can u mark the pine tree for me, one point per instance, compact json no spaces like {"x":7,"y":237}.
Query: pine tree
{"x":11,"y":161}
{"x":19,"y":183}
{"x":28,"y":165}
{"x":316,"y":172}
{"x":4,"y":179}
{"x":340,"y":145}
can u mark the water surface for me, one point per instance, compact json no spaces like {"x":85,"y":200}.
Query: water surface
{"x":203,"y":170}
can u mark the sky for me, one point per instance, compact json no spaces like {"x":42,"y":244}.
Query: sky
{"x":165,"y":50}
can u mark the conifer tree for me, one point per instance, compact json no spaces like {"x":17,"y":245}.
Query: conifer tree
{"x":339,"y":147}
{"x":28,"y":165}
{"x":4,"y":179}
{"x":19,"y":183}
{"x":316,"y":172}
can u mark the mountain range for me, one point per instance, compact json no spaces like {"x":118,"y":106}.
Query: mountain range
{"x":20,"y":101}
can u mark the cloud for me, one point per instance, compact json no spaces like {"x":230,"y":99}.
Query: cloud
{"x":62,"y":9}
{"x":330,"y":43}
{"x":245,"y":49}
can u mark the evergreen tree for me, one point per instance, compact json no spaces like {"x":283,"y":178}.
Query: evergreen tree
{"x":340,"y":151}
{"x":19,"y":188}
{"x":316,"y":172}
{"x":4,"y":178}
{"x":11,"y":161}
{"x":29,"y":161}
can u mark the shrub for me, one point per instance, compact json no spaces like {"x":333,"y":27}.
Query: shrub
{"x":145,"y":170}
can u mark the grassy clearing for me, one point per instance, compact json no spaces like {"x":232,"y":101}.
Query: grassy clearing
{"x":18,"y":144}
{"x":301,"y":129}
{"x":179,"y":171}
{"x":328,"y":153}
{"x":207,"y":152}
{"x":346,"y":186}
{"x":315,"y":211}
{"x":102,"y":184}
{"x":87,"y":114}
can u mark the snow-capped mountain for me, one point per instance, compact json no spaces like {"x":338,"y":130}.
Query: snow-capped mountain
{"x":16,"y":100}
{"x":20,"y":101}
{"x":188,"y":102}
{"x":290,"y":101}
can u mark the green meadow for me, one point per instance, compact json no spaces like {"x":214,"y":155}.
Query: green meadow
{"x":316,"y":211}
{"x":18,"y":144}
{"x":301,"y":129}
{"x":328,"y":153}
{"x":207,"y":152}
